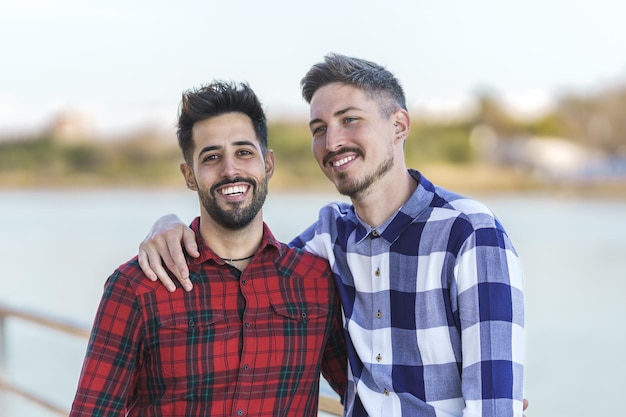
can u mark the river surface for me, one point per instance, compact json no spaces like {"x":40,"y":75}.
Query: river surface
{"x":58,"y":247}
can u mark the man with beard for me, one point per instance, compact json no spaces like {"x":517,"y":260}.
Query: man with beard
{"x":430,"y":283}
{"x":264,"y":319}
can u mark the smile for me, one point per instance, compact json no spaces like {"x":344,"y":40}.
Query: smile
{"x":234,"y":190}
{"x":343,"y":161}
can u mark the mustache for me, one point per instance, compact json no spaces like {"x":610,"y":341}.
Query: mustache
{"x":331,"y":155}
{"x":235,"y":180}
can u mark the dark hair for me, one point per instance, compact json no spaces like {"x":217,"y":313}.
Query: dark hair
{"x":377,"y":82}
{"x":215,"y":99}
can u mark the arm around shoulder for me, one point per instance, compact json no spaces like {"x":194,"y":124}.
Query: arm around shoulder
{"x":164,"y":245}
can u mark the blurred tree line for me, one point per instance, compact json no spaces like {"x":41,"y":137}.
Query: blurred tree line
{"x":595,"y":121}
{"x":45,"y":161}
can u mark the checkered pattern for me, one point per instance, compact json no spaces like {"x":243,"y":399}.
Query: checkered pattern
{"x":249,"y":344}
{"x":433,"y":305}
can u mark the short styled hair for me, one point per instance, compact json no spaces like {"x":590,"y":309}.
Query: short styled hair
{"x":377,"y":82}
{"x":215,"y":99}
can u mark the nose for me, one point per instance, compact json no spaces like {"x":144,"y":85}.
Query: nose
{"x":230,"y":167}
{"x":335,"y":138}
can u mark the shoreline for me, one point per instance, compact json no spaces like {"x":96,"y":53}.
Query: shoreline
{"x":466,"y":180}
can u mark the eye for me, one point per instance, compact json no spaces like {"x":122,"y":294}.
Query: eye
{"x":210,"y":158}
{"x":318,"y":130}
{"x":244,"y":152}
{"x":348,"y":120}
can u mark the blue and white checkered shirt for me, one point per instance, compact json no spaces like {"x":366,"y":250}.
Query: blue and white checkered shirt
{"x":433,"y":306}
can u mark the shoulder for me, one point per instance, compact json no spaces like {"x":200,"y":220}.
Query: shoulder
{"x":439,"y":203}
{"x":131,"y":272}
{"x":335,"y":209}
{"x":334,"y":217}
{"x":297,"y":261}
{"x":473,"y":211}
{"x":300,"y":255}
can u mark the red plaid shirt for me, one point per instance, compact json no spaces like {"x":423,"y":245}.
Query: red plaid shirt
{"x":248,"y":345}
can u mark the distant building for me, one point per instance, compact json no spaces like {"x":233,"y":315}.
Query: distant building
{"x":71,"y":127}
{"x":556,"y":158}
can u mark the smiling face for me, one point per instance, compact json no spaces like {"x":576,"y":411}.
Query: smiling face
{"x":353,"y":143}
{"x":230,"y":172}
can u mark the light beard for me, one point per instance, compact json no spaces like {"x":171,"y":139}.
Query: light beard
{"x":237,"y":217}
{"x":356,"y":188}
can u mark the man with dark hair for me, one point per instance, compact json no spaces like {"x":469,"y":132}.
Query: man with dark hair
{"x":264,"y":319}
{"x":429,"y":281}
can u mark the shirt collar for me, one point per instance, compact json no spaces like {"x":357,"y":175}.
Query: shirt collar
{"x":395,"y":225}
{"x":270,"y":249}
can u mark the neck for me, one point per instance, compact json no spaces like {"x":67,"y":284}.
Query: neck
{"x":236,"y":245}
{"x":394,"y":190}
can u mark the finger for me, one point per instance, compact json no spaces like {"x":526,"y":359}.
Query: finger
{"x":150,"y":259}
{"x":189,"y":242}
{"x":157,"y":266}
{"x":175,"y":260}
{"x":145,"y":265}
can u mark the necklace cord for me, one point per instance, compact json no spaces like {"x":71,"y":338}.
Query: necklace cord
{"x":229,"y":260}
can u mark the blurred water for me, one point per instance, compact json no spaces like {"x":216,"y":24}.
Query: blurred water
{"x":58,"y":247}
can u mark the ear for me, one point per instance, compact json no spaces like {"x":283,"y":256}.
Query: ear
{"x":269,"y":163}
{"x":190,"y":178}
{"x":401,"y":124}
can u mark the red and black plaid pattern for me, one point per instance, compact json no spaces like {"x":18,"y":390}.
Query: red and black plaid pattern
{"x":241,"y":344}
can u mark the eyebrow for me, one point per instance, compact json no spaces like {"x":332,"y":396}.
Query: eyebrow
{"x":337,"y":114}
{"x":216,"y":147}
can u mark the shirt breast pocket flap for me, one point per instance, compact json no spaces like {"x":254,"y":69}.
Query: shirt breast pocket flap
{"x":301,"y":312}
{"x":189,"y":323}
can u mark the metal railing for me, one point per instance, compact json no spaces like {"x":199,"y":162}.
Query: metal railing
{"x":326,"y":404}
{"x":47,"y":321}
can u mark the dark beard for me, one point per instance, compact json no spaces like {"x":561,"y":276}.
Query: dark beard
{"x":237,"y":217}
{"x":356,"y":188}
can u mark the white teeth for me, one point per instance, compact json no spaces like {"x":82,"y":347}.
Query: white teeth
{"x":344,"y":161}
{"x":237,"y":189}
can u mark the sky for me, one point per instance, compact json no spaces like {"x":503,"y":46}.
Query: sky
{"x":123,"y":64}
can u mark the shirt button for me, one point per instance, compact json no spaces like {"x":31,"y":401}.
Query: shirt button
{"x":246,"y":367}
{"x":191,"y":323}
{"x":374,"y":233}
{"x":247,"y":324}
{"x":244,"y":282}
{"x":379,"y":314}
{"x":377,"y":273}
{"x":379,"y":358}
{"x":240,"y":412}
{"x":386,"y":392}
